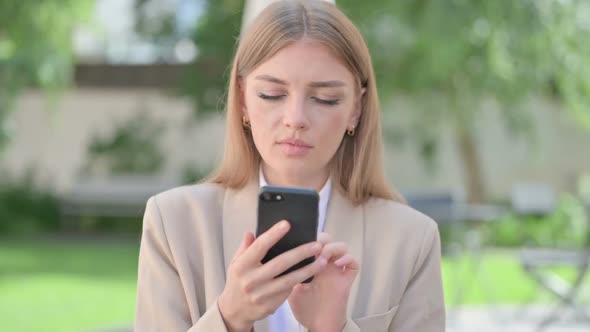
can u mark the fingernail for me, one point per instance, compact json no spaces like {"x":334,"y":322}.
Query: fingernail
{"x":283,"y":225}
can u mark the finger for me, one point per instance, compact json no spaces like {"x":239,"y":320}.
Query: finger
{"x":324,"y":238}
{"x":247,"y":241}
{"x":281,"y":263}
{"x":334,"y":250}
{"x":265,"y":241}
{"x":288,"y":281}
{"x":347,"y":261}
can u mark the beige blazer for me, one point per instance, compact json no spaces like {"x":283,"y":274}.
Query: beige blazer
{"x":191,"y":233}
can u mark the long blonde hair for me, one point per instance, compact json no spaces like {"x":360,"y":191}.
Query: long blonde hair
{"x":357,"y":167}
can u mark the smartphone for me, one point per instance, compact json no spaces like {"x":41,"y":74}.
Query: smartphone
{"x":300,"y":208}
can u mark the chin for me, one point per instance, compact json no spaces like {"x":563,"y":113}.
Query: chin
{"x":292,"y":168}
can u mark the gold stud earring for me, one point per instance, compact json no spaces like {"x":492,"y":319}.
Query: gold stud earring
{"x":350,"y":132}
{"x":245,"y":122}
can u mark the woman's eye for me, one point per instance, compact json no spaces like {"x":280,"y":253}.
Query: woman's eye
{"x":269,"y":97}
{"x":329,"y":102}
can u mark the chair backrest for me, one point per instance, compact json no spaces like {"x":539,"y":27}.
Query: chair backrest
{"x":583,"y":188}
{"x":537,"y":199}
{"x":440,"y":206}
{"x":119,"y":188}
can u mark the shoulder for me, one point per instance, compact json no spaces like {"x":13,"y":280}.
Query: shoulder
{"x":186,"y":204}
{"x":186,"y":216}
{"x":398,"y":233}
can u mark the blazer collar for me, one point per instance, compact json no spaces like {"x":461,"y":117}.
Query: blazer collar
{"x":344,"y":222}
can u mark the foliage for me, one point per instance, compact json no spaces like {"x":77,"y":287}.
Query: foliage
{"x":192,"y":173}
{"x":468,"y":49}
{"x":457,"y":50}
{"x":26,"y":207}
{"x":448,"y":56}
{"x":132,"y":148}
{"x":216,"y":37}
{"x":567,"y":226}
{"x":35,"y":49}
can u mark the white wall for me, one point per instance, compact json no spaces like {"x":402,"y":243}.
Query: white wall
{"x":55,"y":141}
{"x":558,"y":152}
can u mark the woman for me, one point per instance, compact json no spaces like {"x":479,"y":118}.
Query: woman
{"x":302,"y":111}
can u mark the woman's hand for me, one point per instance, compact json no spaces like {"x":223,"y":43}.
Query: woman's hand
{"x":321,"y":305}
{"x":252,"y":292}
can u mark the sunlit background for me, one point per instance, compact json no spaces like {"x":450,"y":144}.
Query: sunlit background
{"x":486,"y":120}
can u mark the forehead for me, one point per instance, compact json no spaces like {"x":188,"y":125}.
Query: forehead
{"x":305,"y":61}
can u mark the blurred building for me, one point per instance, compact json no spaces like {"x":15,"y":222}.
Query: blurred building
{"x":121,"y":75}
{"x":55,"y":141}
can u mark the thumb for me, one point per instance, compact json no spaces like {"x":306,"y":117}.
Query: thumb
{"x":247,"y":241}
{"x":299,"y":293}
{"x":301,"y":288}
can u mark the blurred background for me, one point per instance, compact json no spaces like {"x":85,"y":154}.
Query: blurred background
{"x":486,"y":110}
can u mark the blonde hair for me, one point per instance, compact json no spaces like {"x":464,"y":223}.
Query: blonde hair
{"x":357,"y":167}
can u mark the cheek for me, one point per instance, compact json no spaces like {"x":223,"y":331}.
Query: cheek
{"x":263,"y":118}
{"x":260,"y":112}
{"x":331,"y":128}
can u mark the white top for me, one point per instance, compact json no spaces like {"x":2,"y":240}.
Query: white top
{"x":283,"y":320}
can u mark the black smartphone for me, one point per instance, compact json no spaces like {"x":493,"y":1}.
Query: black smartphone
{"x":296,"y":205}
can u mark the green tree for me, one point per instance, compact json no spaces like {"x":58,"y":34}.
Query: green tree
{"x":452,"y":54}
{"x":449,"y":56}
{"x":35,"y":48}
{"x":131,"y":148}
{"x":215,"y":36}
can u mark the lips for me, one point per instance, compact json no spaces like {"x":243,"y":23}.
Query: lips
{"x":294,"y":147}
{"x":295,"y":142}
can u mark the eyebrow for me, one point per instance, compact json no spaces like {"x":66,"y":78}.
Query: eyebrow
{"x":323,"y":84}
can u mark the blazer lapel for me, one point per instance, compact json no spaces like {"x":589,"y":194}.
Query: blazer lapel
{"x":345,"y":222}
{"x":239,"y":216}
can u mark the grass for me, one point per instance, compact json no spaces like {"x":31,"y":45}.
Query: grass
{"x":499,"y":279}
{"x":52,"y":285}
{"x":66,"y":286}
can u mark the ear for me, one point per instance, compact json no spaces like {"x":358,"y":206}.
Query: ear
{"x":354,"y":118}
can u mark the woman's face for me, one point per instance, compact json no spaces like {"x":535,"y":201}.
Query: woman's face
{"x":300,"y":104}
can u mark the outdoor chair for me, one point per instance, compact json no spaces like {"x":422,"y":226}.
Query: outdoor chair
{"x":114,"y":196}
{"x":537,"y":262}
{"x":460,"y":219}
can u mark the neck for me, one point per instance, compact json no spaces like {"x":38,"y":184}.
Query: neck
{"x":313,"y":181}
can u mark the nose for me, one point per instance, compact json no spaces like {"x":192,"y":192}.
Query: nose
{"x":294,"y":116}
